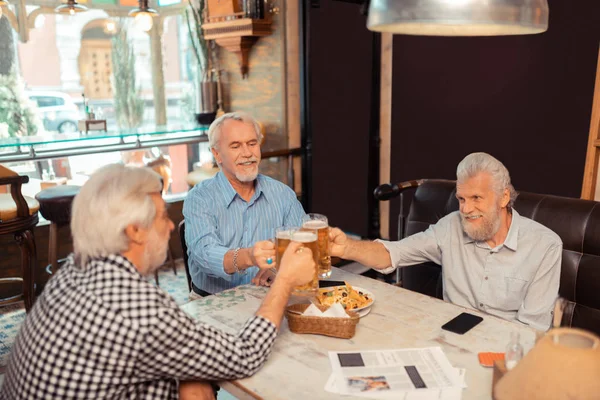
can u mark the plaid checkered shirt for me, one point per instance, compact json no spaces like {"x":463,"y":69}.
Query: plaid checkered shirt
{"x":105,"y":332}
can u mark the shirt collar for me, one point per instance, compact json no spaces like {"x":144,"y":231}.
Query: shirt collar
{"x":511,"y":236}
{"x":229,"y":192}
{"x":513,"y":231}
{"x":116,"y":260}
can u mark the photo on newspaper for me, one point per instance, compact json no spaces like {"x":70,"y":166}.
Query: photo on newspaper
{"x":395,"y":370}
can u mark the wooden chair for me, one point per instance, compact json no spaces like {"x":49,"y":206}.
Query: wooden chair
{"x":18,"y":217}
{"x":55,"y":206}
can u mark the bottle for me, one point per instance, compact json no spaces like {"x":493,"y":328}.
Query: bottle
{"x":514,"y":351}
{"x":259,"y":9}
{"x":248,"y":12}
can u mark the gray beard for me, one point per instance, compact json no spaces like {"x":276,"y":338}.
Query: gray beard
{"x":155,"y":254}
{"x":490,"y":226}
{"x":246,"y":178}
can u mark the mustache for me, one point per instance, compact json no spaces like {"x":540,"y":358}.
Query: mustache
{"x":252,"y":159}
{"x":470,"y":215}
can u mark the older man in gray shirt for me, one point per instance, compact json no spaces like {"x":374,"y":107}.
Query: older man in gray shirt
{"x":493,"y":259}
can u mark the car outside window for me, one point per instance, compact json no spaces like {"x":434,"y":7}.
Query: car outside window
{"x":48,"y":101}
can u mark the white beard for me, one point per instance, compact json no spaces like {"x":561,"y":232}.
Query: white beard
{"x":156,"y":252}
{"x":489,"y":227}
{"x":250,"y":177}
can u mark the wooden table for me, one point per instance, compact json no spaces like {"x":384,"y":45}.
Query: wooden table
{"x":299,"y":366}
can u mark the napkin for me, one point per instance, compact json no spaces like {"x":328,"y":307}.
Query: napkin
{"x":335,"y":311}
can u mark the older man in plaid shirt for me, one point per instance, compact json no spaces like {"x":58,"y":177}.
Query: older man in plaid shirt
{"x":102,"y":331}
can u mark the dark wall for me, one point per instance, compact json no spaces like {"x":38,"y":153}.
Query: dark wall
{"x":525,"y":99}
{"x":340,"y":88}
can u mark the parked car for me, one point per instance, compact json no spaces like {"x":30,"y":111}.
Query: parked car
{"x":57,"y":110}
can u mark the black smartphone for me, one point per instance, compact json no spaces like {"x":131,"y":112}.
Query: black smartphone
{"x":324,"y":284}
{"x":463,"y":323}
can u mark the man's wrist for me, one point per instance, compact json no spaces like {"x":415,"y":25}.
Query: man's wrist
{"x":283,"y":282}
{"x":238,"y":268}
{"x":349,"y":250}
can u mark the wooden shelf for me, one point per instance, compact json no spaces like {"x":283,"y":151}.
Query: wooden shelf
{"x":238,"y":36}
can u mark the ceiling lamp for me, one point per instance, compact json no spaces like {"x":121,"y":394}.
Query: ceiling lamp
{"x":70,"y":7}
{"x":143,"y":16}
{"x":458,"y":17}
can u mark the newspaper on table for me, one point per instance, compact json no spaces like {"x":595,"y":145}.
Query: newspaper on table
{"x":422,"y":373}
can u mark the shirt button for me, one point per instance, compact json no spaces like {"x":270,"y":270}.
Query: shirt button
{"x":486,"y":278}
{"x":481,"y":305}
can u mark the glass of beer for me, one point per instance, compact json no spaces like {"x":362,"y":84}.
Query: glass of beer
{"x":319,"y":223}
{"x":283,"y":236}
{"x":308,"y":238}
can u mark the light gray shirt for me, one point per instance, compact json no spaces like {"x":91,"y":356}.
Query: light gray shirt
{"x":517,"y":280}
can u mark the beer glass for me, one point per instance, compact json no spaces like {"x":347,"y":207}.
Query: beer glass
{"x":319,"y":223}
{"x":308,"y":238}
{"x":283,"y":235}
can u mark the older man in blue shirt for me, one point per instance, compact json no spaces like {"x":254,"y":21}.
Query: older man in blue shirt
{"x":231,"y":218}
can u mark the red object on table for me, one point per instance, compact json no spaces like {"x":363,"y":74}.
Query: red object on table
{"x":487,"y":359}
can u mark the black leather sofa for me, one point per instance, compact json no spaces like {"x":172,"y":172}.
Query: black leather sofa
{"x":576,"y":221}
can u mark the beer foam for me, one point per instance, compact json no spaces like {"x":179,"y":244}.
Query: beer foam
{"x":284,"y":235}
{"x":304,"y":237}
{"x":315,"y":224}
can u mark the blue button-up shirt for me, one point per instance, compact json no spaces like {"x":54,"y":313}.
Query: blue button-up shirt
{"x":217,"y":220}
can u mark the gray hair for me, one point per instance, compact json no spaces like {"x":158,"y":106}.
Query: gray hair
{"x":214,"y":131}
{"x":114,"y":197}
{"x":475,"y":163}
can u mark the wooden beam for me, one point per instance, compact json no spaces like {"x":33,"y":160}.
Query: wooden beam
{"x":385,"y":128}
{"x":590,"y":174}
{"x":291,"y":77}
{"x":158,"y":74}
{"x":22,"y":21}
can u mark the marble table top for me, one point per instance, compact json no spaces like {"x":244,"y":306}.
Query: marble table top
{"x":299,"y":366}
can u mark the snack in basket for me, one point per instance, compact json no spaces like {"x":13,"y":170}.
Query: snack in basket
{"x":347,"y":296}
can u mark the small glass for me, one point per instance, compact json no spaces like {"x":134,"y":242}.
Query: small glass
{"x":319,"y":223}
{"x":514,"y":351}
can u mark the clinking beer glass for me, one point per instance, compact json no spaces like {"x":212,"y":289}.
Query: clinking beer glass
{"x":308,"y":237}
{"x":283,"y":236}
{"x":319,"y":223}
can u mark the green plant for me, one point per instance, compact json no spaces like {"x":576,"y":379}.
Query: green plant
{"x":129,"y":106}
{"x":197,"y":38}
{"x":186,"y":104}
{"x":18,"y":115}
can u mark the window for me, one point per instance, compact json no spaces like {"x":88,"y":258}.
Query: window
{"x":47,"y":101}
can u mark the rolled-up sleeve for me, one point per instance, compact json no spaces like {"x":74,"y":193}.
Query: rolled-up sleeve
{"x":205,"y":249}
{"x":536,"y":309}
{"x":177,"y":346}
{"x":415,"y":249}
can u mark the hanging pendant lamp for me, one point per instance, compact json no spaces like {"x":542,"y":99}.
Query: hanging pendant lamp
{"x":458,"y":17}
{"x":143,"y":15}
{"x":70,"y":7}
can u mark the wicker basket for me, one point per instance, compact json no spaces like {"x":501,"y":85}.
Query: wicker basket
{"x":337,"y":327}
